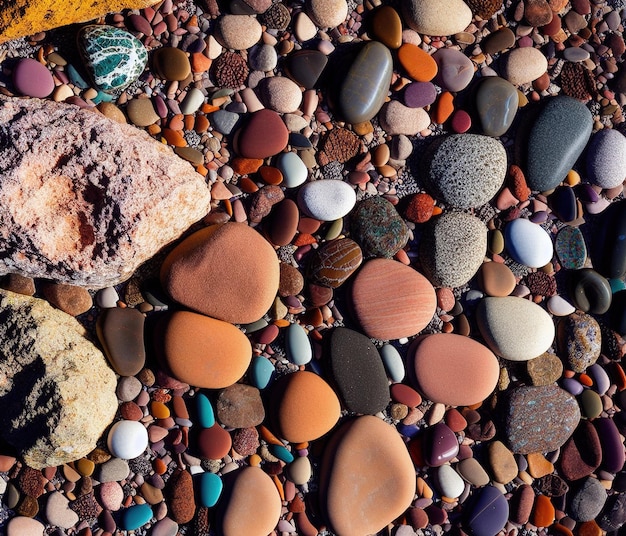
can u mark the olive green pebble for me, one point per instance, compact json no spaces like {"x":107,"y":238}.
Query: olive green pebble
{"x":591,"y":404}
{"x":496,"y":242}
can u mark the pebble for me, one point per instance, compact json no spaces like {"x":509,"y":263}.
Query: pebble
{"x":606,"y":158}
{"x":440,"y":445}
{"x":326,"y":200}
{"x":523,"y":65}
{"x":501,"y":462}
{"x":141,"y":112}
{"x":395,"y":118}
{"x":32,"y":79}
{"x":464,"y":170}
{"x":612,"y":446}
{"x":392,"y":360}
{"x":391,"y":300}
{"x":328,"y":13}
{"x":452,"y":249}
{"x":498,"y":41}
{"x":418,"y":64}
{"x":419,"y":95}
{"x":263,"y":135}
{"x":378,"y":228}
{"x":528,"y":243}
{"x":496,"y":279}
{"x":589,"y":291}
{"x":113,"y":56}
{"x":489,"y":512}
{"x":24,"y":526}
{"x":113,"y":470}
{"x":579,"y":341}
{"x":165,"y":527}
{"x":238,"y":32}
{"x":570,"y":248}
{"x":452,"y":369}
{"x":280,"y":94}
{"x":386,"y":483}
{"x":430,"y":17}
{"x":192,"y":101}
{"x":127,"y":439}
{"x":449,"y":482}
{"x":305,"y":67}
{"x":455,"y":69}
{"x":544,"y":369}
{"x":300,"y":471}
{"x":514,"y":328}
{"x":121,"y":333}
{"x":387,"y":27}
{"x":240,"y":406}
{"x":263,"y":58}
{"x":587,"y":501}
{"x":136,"y":516}
{"x":210,"y":489}
{"x":471,"y":470}
{"x":293,"y":169}
{"x":334,"y":262}
{"x":70,"y":299}
{"x":497,"y":101}
{"x":58,"y":512}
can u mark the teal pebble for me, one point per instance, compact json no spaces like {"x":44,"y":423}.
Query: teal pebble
{"x":570,"y":248}
{"x":102,"y":97}
{"x":76,"y":78}
{"x":282,"y":453}
{"x":393,"y":363}
{"x":617,"y":285}
{"x":261,"y":371}
{"x":136,"y":516}
{"x":206,"y":415}
{"x":210,"y":487}
{"x":297,"y":345}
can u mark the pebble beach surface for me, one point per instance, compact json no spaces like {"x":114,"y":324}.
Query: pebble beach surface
{"x":404,"y":312}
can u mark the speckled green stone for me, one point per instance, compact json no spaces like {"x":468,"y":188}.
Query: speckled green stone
{"x":570,"y":248}
{"x":113,"y":57}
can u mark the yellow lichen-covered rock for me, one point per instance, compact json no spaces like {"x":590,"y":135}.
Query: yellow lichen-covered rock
{"x":19,"y":18}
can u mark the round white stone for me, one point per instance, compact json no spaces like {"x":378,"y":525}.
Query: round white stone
{"x":449,"y":482}
{"x":434,"y":17}
{"x":558,"y":306}
{"x":127,"y":439}
{"x":523,"y":65}
{"x":293,"y":169}
{"x":300,"y":471}
{"x":326,"y":200}
{"x":392,"y":360}
{"x":107,"y":298}
{"x":328,"y":13}
{"x":192,"y":101}
{"x":528,"y":243}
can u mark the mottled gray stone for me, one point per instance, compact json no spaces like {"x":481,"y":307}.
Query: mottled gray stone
{"x":606,"y":158}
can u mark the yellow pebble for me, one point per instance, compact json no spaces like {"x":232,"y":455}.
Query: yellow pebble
{"x":255,"y":460}
{"x":85,"y":467}
{"x":159,"y":410}
{"x":572,"y":178}
{"x":423,"y":489}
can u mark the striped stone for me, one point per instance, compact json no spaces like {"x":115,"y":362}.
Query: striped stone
{"x":335,"y":262}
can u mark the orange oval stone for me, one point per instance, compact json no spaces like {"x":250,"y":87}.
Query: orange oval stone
{"x":444,"y":107}
{"x":245,"y":166}
{"x":543,"y":512}
{"x":417,"y":63}
{"x":271,"y":175}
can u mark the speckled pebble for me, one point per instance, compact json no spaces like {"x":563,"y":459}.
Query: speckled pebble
{"x":606,"y":158}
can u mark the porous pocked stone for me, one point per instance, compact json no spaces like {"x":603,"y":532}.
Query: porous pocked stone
{"x":579,"y":341}
{"x":93,"y":211}
{"x":432,"y":17}
{"x":496,"y":103}
{"x":114,"y":57}
{"x":515,"y":328}
{"x":464,"y":170}
{"x":523,"y":65}
{"x":326,"y":200}
{"x":528,"y":243}
{"x":606,"y":158}
{"x":367,"y":477}
{"x":58,"y":393}
{"x":452,"y":249}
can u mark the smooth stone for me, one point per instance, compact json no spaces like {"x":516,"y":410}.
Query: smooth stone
{"x":587,"y":501}
{"x":523,"y":65}
{"x":213,"y":443}
{"x":452,"y":369}
{"x":591,"y":404}
{"x":141,"y":112}
{"x":136,"y":516}
{"x":202,"y":351}
{"x":121,"y":333}
{"x":385,"y":487}
{"x":448,"y":482}
{"x":440,"y":445}
{"x":489,"y":512}
{"x":419,"y":94}
{"x":606,"y":158}
{"x":366,"y":84}
{"x":224,"y":121}
{"x":576,"y":54}
{"x":582,"y":453}
{"x":514,"y":328}
{"x":502,"y":462}
{"x":210,"y":489}
{"x":264,"y":135}
{"x":165,"y":527}
{"x":387,"y":27}
{"x":24,"y":526}
{"x":334,"y":262}
{"x":471,"y":470}
{"x":297,"y":345}
{"x":544,"y":369}
{"x":418,"y":64}
{"x":32,"y":79}
{"x":404,"y":394}
{"x":283,"y":223}
{"x":497,"y":102}
{"x":378,"y":228}
{"x":263,"y":58}
{"x":327,"y":13}
{"x":600,"y":378}
{"x":431,"y":17}
{"x":293,"y":169}
{"x":281,"y":452}
{"x":558,"y":306}
{"x":528,"y":243}
{"x":392,"y":360}
{"x":206,"y":415}
{"x":570,"y":248}
{"x":58,"y":512}
{"x":544,"y":512}
{"x":114,"y":57}
{"x":564,"y":203}
{"x":498,"y":41}
{"x":538,"y":419}
{"x":192,"y":101}
{"x":464,"y":170}
{"x":550,"y":157}
{"x":280,"y":94}
{"x":113,"y":470}
{"x":612,"y":446}
{"x":261,"y":372}
{"x":358,"y":372}
{"x":240,"y":406}
{"x":127,"y":439}
{"x":589,"y":291}
{"x":579,"y":341}
{"x":496,"y":279}
{"x":397,"y":119}
{"x":326,"y":199}
{"x":238,"y":32}
{"x":391,"y":300}
{"x":227,"y":271}
{"x":455,"y":69}
{"x":521,"y":503}
{"x":300,"y":471}
{"x":305,"y":67}
{"x":452,"y":249}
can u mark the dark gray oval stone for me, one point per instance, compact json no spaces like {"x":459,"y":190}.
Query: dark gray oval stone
{"x":587,"y":500}
{"x":589,"y":291}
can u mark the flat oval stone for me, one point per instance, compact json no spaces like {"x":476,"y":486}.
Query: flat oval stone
{"x":498,"y":41}
{"x":452,"y":249}
{"x":141,"y":112}
{"x":32,"y":79}
{"x":612,"y":446}
{"x":452,"y":369}
{"x":579,"y":341}
{"x":558,"y":306}
{"x":378,"y":228}
{"x":538,"y":419}
{"x":280,"y":93}
{"x":464,"y":170}
{"x":120,"y":331}
{"x":397,"y":119}
{"x":202,"y":351}
{"x":570,"y":248}
{"x":449,"y":482}
{"x":591,"y":404}
{"x":114,"y":57}
{"x":238,"y":514}
{"x":471,"y":470}
{"x":515,"y":328}
{"x":328,"y":13}
{"x":238,"y":32}
{"x":455,"y":69}
{"x":358,"y":372}
{"x":264,"y":135}
{"x":589,"y":291}
{"x":431,"y":17}
{"x":418,"y":64}
{"x":213,"y":443}
{"x":240,"y":406}
{"x":391,"y":300}
{"x":440,"y":445}
{"x":373,"y":450}
{"x":305,"y":67}
{"x":496,"y":279}
{"x":489,"y":512}
{"x":528,"y":243}
{"x":419,"y":94}
{"x":136,"y":516}
{"x":206,"y":415}
{"x":293,"y":169}
{"x":551,"y":157}
{"x":496,"y":103}
{"x":387,"y":27}
{"x":228,"y":271}
{"x":394,"y":365}
{"x":587,"y":500}
{"x":502,"y":462}
{"x":582,"y":453}
{"x":298,"y":345}
{"x":284,"y":222}
{"x":334,"y":262}
{"x":523,"y":65}
{"x":606,"y":158}
{"x":127,"y":439}
{"x":366,"y":84}
{"x":300,"y":471}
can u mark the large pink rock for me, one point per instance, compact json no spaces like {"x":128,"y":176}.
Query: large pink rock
{"x":86,"y":200}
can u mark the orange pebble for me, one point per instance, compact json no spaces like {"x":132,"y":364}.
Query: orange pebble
{"x":543,"y":512}
{"x":245,"y":166}
{"x":417,"y":63}
{"x":444,"y":107}
{"x":202,"y":170}
{"x":618,"y":376}
{"x":271,"y":175}
{"x":281,"y":323}
{"x":255,"y":460}
{"x":174,"y":137}
{"x":202,"y":124}
{"x":209,"y":108}
{"x":303,"y":239}
{"x":402,"y":256}
{"x":153,"y":130}
{"x":585,"y":380}
{"x":437,"y":210}
{"x":589,"y":528}
{"x":160,"y":468}
{"x":268,"y":436}
{"x":159,"y":410}
{"x":247,"y":185}
{"x":279,"y":487}
{"x":561,"y":530}
{"x":200,"y":63}
{"x":189,"y":122}
{"x":228,"y":206}
{"x":176,"y":122}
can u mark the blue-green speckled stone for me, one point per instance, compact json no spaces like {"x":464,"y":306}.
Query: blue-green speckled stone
{"x":570,"y":248}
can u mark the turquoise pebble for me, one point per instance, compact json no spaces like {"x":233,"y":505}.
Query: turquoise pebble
{"x":76,"y":78}
{"x":617,"y":285}
{"x":393,"y":363}
{"x":102,"y":97}
{"x":210,"y":487}
{"x":261,"y":371}
{"x":206,"y":415}
{"x":297,"y":345}
{"x":282,"y":453}
{"x":136,"y":516}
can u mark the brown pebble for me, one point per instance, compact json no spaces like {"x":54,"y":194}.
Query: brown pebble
{"x":291,"y":281}
{"x":70,"y":299}
{"x":182,"y":505}
{"x":19,"y":284}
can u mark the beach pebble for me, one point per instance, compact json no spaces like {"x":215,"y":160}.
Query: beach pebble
{"x":449,"y":482}
{"x":210,"y":489}
{"x":523,"y":65}
{"x":431,"y":17}
{"x":263,"y":58}
{"x":589,"y":291}
{"x":570,"y":248}
{"x":297,"y":345}
{"x":587,"y":500}
{"x":283,"y":226}
{"x":300,"y":471}
{"x":528,"y":243}
{"x":464,"y":170}
{"x":387,"y":27}
{"x":261,"y":372}
{"x":613,"y":516}
{"x":489,"y":512}
{"x":440,"y":445}
{"x":606,"y":158}
{"x":113,"y":470}
{"x":514,"y":328}
{"x":612,"y":446}
{"x":396,"y":118}
{"x":181,"y":497}
{"x":136,"y":516}
{"x":192,"y":101}
{"x":203,"y":351}
{"x":58,"y":512}
{"x":501,"y":462}
{"x":391,"y":300}
{"x":334,"y":262}
{"x":171,"y":63}
{"x":471,"y":470}
{"x":326,"y":200}
{"x":418,"y":64}
{"x":238,"y":32}
{"x":32,"y":79}
{"x":393,"y":362}
{"x":213,"y":443}
{"x":24,"y":526}
{"x":327,"y":13}
{"x":293,"y":169}
{"x":452,"y":249}
{"x":385,"y":485}
{"x":579,"y":341}
{"x":121,"y":333}
{"x":165,"y":527}
{"x":127,"y":439}
{"x":452,"y":369}
{"x":240,"y":406}
{"x":497,"y":101}
{"x":582,"y":453}
{"x":558,"y":306}
{"x":141,"y":112}
{"x":455,"y":69}
{"x":229,"y":272}
{"x":419,"y":95}
{"x":305,"y":67}
{"x":358,"y":372}
{"x":280,"y":94}
{"x":544,"y":369}
{"x":496,"y":279}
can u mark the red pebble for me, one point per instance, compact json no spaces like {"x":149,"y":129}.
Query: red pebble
{"x":461,"y":122}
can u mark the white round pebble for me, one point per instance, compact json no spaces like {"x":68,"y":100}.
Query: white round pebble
{"x":24,"y":526}
{"x":523,"y":65}
{"x":300,"y":471}
{"x":558,"y":306}
{"x":528,"y":243}
{"x":326,"y":200}
{"x":107,"y":298}
{"x":127,"y":439}
{"x":293,"y":169}
{"x":192,"y":101}
{"x":449,"y":482}
{"x":393,"y":363}
{"x":304,"y":27}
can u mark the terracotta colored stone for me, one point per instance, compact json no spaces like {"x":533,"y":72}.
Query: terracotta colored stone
{"x":417,"y":63}
{"x":582,"y":453}
{"x":420,"y":208}
{"x":538,"y":466}
{"x":245,"y":166}
{"x":229,"y":272}
{"x":496,"y":279}
{"x":543,"y":512}
{"x":521,"y":504}
{"x":181,"y":503}
{"x":284,"y":224}
{"x":264,"y":135}
{"x":70,"y":299}
{"x":444,"y":107}
{"x":387,"y":26}
{"x":214,"y":443}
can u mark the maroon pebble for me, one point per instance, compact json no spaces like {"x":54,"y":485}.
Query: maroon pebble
{"x":461,"y":121}
{"x":214,"y":443}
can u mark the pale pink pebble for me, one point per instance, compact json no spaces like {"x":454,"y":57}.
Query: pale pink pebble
{"x":156,"y":433}
{"x":358,"y":177}
{"x":325,"y":47}
{"x":538,"y":206}
{"x":143,"y":398}
{"x":160,"y":510}
{"x":598,"y":206}
{"x":505,"y":199}
{"x":311,"y":100}
{"x":111,"y":495}
{"x":219,"y":191}
{"x":411,"y":36}
{"x":402,"y":257}
{"x":160,"y":28}
{"x":250,"y":99}
{"x":614,"y":192}
{"x":520,"y":291}
{"x":24,"y":526}
{"x":290,"y":490}
{"x":239,"y":212}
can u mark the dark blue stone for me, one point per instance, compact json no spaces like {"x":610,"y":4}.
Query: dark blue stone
{"x":298,"y":141}
{"x":489,"y":512}
{"x":563,"y":203}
